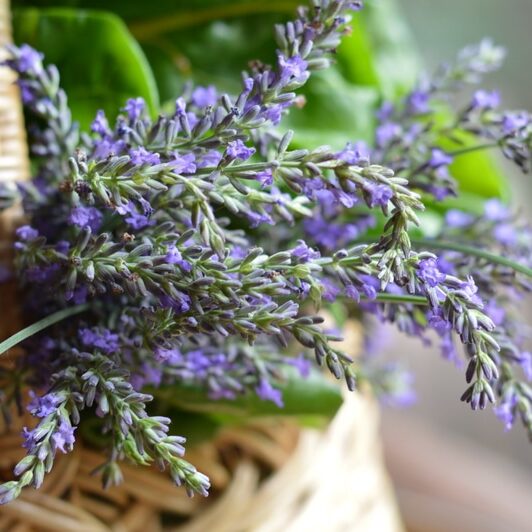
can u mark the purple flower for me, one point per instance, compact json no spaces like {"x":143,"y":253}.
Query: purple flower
{"x":168,"y":356}
{"x":27,"y":92}
{"x":134,"y":108}
{"x":386,"y":133}
{"x":147,"y":209}
{"x":209,"y":158}
{"x":525,"y":361}
{"x":273,"y":113}
{"x":418,"y":102}
{"x":63,"y":438}
{"x":86,"y":217}
{"x":312,"y":185}
{"x":292,"y":69}
{"x":505,"y":411}
{"x":338,"y":195}
{"x":355,"y":153}
{"x":439,"y":193}
{"x":256,"y":218}
{"x":42,"y":274}
{"x":100,"y":125}
{"x":352,"y":292}
{"x":265,"y":177}
{"x":355,"y":5}
{"x":506,"y":234}
{"x":180,"y":107}
{"x":99,"y":338}
{"x":515,"y":121}
{"x":148,"y":375}
{"x":439,"y":158}
{"x":304,"y":253}
{"x":29,"y":60}
{"x":302,"y":364}
{"x":326,"y":234}
{"x":28,"y":437}
{"x":456,"y":218}
{"x":204,"y":96}
{"x":132,"y":217}
{"x":428,"y":271}
{"x":470,"y":289}
{"x":221,"y":393}
{"x":200,"y":364}
{"x":236,"y":149}
{"x":448,"y":350}
{"x":412,"y":133}
{"x":45,"y":405}
{"x":379,"y":194}
{"x":369,"y":291}
{"x":184,"y":164}
{"x":238,"y":252}
{"x":335,"y":235}
{"x":80,"y":295}
{"x":173,"y":256}
{"x":153,"y":376}
{"x":495,"y":210}
{"x":438,"y":322}
{"x":140,"y":156}
{"x":26,"y":233}
{"x":106,"y":147}
{"x":268,"y":393}
{"x":483,"y":99}
{"x":248,"y":84}
{"x":495,"y":312}
{"x":180,"y":303}
{"x":62,"y":246}
{"x":385,"y":111}
{"x":329,"y":290}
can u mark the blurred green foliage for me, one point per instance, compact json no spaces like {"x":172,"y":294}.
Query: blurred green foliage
{"x":101,"y":64}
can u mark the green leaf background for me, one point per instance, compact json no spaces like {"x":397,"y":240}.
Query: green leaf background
{"x":101,"y":64}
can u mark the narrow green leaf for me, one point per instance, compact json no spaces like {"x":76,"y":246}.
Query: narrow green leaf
{"x":474,"y":252}
{"x":40,"y":325}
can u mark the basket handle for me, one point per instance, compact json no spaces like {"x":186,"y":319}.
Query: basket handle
{"x":14,"y":166}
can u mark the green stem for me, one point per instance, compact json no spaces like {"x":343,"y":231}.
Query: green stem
{"x":153,"y":27}
{"x":470,"y":149}
{"x":475,"y":252}
{"x":383,"y":297}
{"x":40,"y":325}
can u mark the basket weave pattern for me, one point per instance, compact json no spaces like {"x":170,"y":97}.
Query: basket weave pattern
{"x":267,"y":477}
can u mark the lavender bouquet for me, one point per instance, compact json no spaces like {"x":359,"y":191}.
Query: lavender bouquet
{"x":185,"y":258}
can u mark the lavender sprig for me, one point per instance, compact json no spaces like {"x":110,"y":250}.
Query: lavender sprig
{"x":95,"y":381}
{"x":410,"y":132}
{"x":54,"y":432}
{"x":53,"y":135}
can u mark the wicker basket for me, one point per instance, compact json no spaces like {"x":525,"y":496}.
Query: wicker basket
{"x":267,"y":476}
